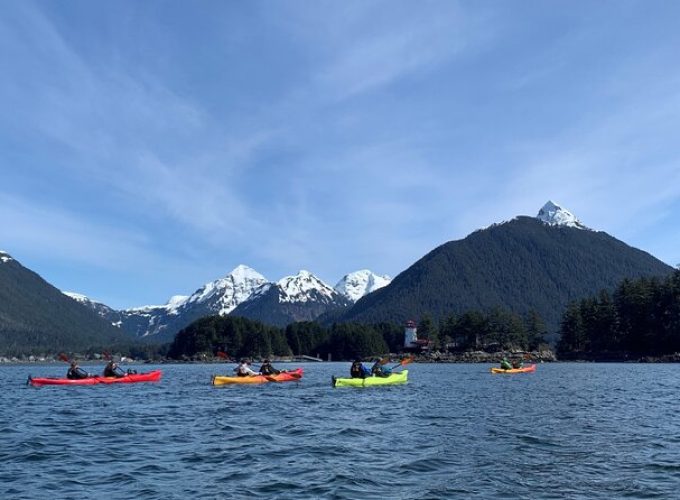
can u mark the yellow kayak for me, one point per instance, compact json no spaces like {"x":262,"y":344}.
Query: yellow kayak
{"x":395,"y":378}
{"x":526,"y":369}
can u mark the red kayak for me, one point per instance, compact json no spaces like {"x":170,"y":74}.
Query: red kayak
{"x":130,"y":378}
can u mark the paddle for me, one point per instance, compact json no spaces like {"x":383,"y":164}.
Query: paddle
{"x":63,"y":357}
{"x":403,"y":362}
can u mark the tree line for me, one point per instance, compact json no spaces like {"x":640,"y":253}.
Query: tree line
{"x":241,"y":337}
{"x":640,"y":317}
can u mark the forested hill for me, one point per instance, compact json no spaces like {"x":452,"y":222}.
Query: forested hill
{"x":35,"y":317}
{"x":520,"y":265}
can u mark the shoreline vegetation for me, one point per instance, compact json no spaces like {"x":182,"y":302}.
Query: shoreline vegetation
{"x":472,"y":357}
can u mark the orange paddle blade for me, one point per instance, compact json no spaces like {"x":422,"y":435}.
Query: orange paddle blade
{"x":63,"y":357}
{"x":406,"y":361}
{"x":222,"y":355}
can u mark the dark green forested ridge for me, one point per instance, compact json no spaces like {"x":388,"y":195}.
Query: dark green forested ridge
{"x":640,"y":318}
{"x":521,"y":265}
{"x":35,"y":317}
{"x":241,"y":337}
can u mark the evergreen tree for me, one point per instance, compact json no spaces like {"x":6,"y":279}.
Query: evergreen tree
{"x":535,"y":330}
{"x":427,"y":329}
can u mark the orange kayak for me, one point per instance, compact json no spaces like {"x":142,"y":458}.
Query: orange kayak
{"x":288,"y":376}
{"x":525,"y":369}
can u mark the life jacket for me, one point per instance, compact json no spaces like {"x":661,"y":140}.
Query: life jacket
{"x":268,"y":369}
{"x":357,"y":370}
{"x":75,"y":374}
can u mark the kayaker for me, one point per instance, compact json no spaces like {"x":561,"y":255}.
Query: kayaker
{"x":358,"y":370}
{"x":380,"y":370}
{"x":244,"y":370}
{"x":268,"y":369}
{"x":505,"y":364}
{"x":113,"y":370}
{"x":75,"y":372}
{"x":517,"y":363}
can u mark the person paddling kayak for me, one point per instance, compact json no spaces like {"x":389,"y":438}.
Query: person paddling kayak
{"x":358,"y":370}
{"x":380,"y":370}
{"x":75,"y":372}
{"x":113,"y":370}
{"x":244,"y":370}
{"x":268,"y":369}
{"x":505,"y":364}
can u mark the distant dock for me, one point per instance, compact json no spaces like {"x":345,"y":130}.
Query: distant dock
{"x":304,"y":357}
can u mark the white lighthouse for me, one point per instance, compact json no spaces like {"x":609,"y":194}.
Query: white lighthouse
{"x":410,"y":335}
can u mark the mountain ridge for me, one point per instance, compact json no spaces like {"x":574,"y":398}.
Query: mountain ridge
{"x":37,"y":317}
{"x":522,"y":264}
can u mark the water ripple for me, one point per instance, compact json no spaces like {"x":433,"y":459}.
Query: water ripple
{"x":567,"y":431}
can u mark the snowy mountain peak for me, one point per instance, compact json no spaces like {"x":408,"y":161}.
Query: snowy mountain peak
{"x":243,"y":273}
{"x":299,"y":287}
{"x":555,"y":215}
{"x":227,"y":292}
{"x":78,"y":297}
{"x":4,"y":256}
{"x":359,"y":283}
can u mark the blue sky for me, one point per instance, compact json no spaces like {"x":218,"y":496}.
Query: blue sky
{"x":149,"y":147}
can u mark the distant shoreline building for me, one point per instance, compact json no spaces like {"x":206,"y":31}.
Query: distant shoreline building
{"x":411,"y":341}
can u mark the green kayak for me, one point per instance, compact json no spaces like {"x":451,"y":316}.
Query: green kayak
{"x":395,"y":378}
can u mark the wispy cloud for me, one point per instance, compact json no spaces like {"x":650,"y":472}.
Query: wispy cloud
{"x":29,"y":228}
{"x":329,"y":136}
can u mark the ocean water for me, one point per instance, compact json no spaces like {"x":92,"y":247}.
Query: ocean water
{"x":455,"y":431}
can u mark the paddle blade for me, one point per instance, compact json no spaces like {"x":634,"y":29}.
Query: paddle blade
{"x":222,"y":355}
{"x":106,"y":355}
{"x":64,"y":357}
{"x":406,"y":361}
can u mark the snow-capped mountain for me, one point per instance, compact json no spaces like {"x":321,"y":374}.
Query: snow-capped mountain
{"x":243,"y":292}
{"x":355,"y":285}
{"x":162,"y":322}
{"x":102,"y":310}
{"x":555,"y":215}
{"x":4,"y":256}
{"x":302,"y":297}
{"x":227,"y":293}
{"x":303,"y":287}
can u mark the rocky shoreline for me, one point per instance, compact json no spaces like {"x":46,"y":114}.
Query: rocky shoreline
{"x":486,"y":357}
